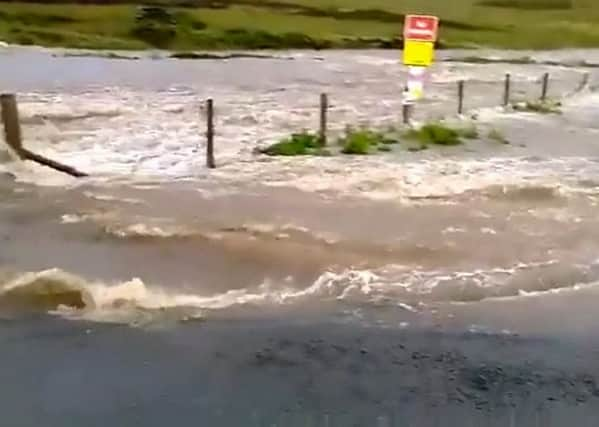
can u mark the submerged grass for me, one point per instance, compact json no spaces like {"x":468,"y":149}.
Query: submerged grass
{"x":354,"y":141}
{"x":364,"y":141}
{"x":298,"y":144}
{"x":435,"y":134}
{"x":540,"y":106}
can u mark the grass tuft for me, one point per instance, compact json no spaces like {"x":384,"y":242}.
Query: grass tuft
{"x":435,"y":133}
{"x":364,"y":141}
{"x":359,"y":142}
{"x":298,"y":144}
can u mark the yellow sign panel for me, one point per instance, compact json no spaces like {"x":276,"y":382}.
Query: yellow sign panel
{"x":419,"y":53}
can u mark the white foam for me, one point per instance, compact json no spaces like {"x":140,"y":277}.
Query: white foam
{"x":133,"y":301}
{"x":136,"y":134}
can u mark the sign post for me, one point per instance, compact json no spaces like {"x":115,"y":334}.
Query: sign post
{"x":419,"y":36}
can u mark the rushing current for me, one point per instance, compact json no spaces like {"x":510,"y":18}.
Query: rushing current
{"x":485,"y":236}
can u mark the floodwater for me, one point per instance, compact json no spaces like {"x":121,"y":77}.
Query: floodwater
{"x":157,"y":289}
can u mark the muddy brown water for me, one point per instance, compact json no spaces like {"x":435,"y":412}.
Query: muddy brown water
{"x":452,"y":285}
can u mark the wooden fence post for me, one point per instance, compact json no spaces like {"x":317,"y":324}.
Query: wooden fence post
{"x":506,"y":91}
{"x":324,"y":105}
{"x":545,"y":86}
{"x":585,"y":80}
{"x":406,"y":112}
{"x":210,"y":134}
{"x":10,"y":118}
{"x":460,"y":97}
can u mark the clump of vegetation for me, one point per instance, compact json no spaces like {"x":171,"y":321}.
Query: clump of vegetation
{"x":436,"y":134}
{"x":497,"y":136}
{"x":298,"y":144}
{"x":363,"y":141}
{"x":354,"y":141}
{"x":155,"y":26}
{"x":540,"y":106}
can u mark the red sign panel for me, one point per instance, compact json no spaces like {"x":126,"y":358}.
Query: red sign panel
{"x":421,"y":27}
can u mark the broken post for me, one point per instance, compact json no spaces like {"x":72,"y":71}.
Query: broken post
{"x":545,"y":86}
{"x":506,"y":91}
{"x":30,"y":155}
{"x":12,"y":133}
{"x":460,"y":97}
{"x":324,"y":105}
{"x":210,"y":134}
{"x":10,"y":118}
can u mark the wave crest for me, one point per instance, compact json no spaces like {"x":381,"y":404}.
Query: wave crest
{"x":132,"y":302}
{"x":46,"y":290}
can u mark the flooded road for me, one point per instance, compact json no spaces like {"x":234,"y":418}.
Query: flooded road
{"x":477,"y":257}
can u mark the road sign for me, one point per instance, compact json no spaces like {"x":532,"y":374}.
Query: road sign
{"x":418,"y":53}
{"x":421,"y":27}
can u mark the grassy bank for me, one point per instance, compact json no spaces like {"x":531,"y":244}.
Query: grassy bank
{"x":316,"y":24}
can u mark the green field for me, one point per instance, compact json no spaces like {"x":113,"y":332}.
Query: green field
{"x":267,"y":24}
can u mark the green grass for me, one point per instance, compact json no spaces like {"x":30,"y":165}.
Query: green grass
{"x":359,"y":142}
{"x":365,"y":141}
{"x":530,"y":4}
{"x":353,"y":141}
{"x":313,"y":24}
{"x":436,"y":134}
{"x":299,"y":144}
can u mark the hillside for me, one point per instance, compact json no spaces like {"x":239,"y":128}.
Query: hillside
{"x":266,"y":24}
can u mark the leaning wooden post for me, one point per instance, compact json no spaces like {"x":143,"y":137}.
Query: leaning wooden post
{"x":324,"y":105}
{"x":10,"y":118}
{"x":545,"y":86}
{"x":460,"y":97}
{"x":506,"y":91}
{"x":210,"y":134}
{"x":12,"y":133}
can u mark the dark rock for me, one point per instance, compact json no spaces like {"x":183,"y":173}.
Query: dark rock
{"x":339,"y":348}
{"x":481,"y":383}
{"x":284,"y":343}
{"x":419,"y":356}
